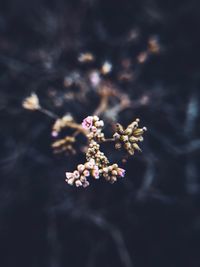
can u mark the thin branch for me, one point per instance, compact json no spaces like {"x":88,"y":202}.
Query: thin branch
{"x":48,"y":113}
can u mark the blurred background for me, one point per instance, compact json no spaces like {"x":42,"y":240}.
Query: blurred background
{"x":152,"y":216}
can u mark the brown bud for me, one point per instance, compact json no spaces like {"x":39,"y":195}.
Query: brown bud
{"x":119,"y":128}
{"x":127,"y":145}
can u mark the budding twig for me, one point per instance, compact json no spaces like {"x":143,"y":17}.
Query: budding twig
{"x":97,"y":164}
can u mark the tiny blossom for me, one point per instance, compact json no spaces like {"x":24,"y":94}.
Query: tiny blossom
{"x":121,"y":172}
{"x":86,"y":173}
{"x":94,"y":78}
{"x":81,"y":167}
{"x":76,"y":174}
{"x":94,"y":129}
{"x":95,"y":172}
{"x":69,"y":175}
{"x":89,"y":165}
{"x":99,"y":124}
{"x":78,"y":183}
{"x":70,"y":181}
{"x":86,"y":184}
{"x":87,"y":123}
{"x":54,"y":134}
{"x":83,"y":179}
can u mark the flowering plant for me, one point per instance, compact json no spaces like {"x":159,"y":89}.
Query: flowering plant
{"x":97,"y":164}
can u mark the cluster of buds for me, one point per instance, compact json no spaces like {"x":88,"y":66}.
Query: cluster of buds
{"x":64,"y":145}
{"x":129,"y":137}
{"x":95,"y":153}
{"x":83,"y":171}
{"x":94,"y":127}
{"x":97,"y":163}
{"x":112,"y":172}
{"x":60,"y":124}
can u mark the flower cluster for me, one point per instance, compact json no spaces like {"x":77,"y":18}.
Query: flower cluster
{"x":64,"y":145}
{"x":112,"y":172}
{"x":94,"y":127}
{"x":79,"y":176}
{"x":60,"y":124}
{"x":97,"y":164}
{"x":129,"y":137}
{"x":95,"y":153}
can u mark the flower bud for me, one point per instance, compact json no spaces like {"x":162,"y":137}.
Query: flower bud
{"x":80,"y":167}
{"x":127,"y":145}
{"x":70,"y":181}
{"x":135,"y":146}
{"x":78,"y":183}
{"x":76,"y":174}
{"x":119,"y":128}
{"x":86,"y":173}
{"x":128,"y":131}
{"x":124,"y":138}
{"x":133,"y":139}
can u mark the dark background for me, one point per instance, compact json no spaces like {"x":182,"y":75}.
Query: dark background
{"x":150,"y":218}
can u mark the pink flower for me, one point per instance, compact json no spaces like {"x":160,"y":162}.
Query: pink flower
{"x":87,"y":123}
{"x":54,"y":134}
{"x":121,"y":172}
{"x":86,"y":173}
